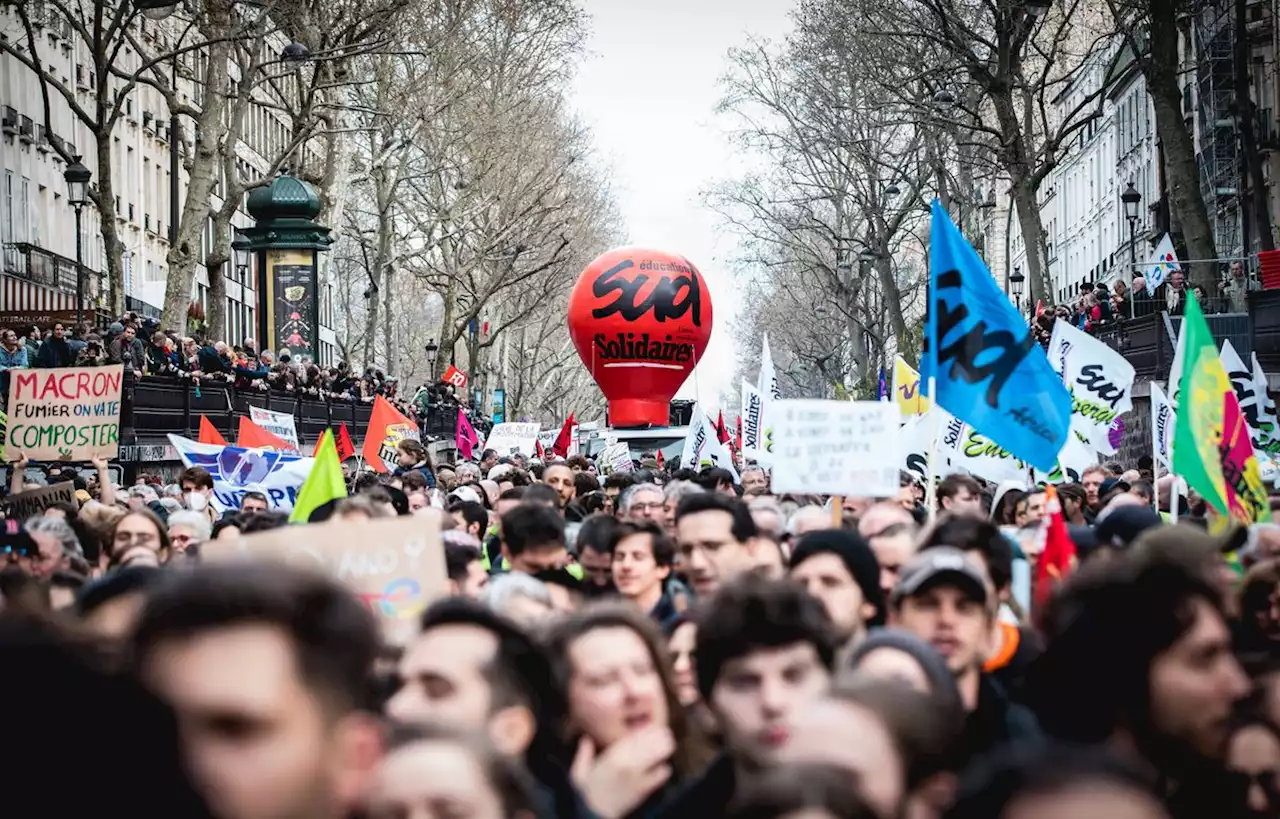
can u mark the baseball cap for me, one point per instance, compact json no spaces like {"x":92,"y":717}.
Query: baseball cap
{"x":936,"y":564}
{"x":466,"y":493}
{"x":1113,"y":483}
{"x":1122,"y":525}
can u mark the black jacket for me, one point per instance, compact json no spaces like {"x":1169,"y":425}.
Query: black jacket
{"x":996,"y":722}
{"x":706,"y":797}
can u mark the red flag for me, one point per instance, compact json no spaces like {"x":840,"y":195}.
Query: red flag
{"x":662,"y":462}
{"x":1058,"y":558}
{"x":253,"y":436}
{"x":561,"y":446}
{"x":209,"y":433}
{"x":722,"y":434}
{"x":1039,"y":308}
{"x":387,"y":427}
{"x":346,"y":449}
{"x":538,"y":450}
{"x":737,"y":438}
{"x":465,"y":436}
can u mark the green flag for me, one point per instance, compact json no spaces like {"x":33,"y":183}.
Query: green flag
{"x":1198,"y":430}
{"x":325,"y":483}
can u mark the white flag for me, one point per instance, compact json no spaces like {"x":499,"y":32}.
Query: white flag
{"x":702,"y":447}
{"x":1242,"y":382}
{"x":1268,"y":439}
{"x":752,"y":412}
{"x":1175,"y":370}
{"x":1162,"y":423}
{"x":967,"y":450}
{"x":768,"y":376}
{"x":1162,"y":262}
{"x":1100,"y":381}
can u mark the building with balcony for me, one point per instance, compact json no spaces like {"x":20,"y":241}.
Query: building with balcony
{"x":37,"y":225}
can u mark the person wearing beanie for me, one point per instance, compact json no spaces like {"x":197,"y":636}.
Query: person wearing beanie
{"x":839,"y":568}
{"x":894,"y":653}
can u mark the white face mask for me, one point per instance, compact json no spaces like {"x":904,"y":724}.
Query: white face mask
{"x":197,"y":502}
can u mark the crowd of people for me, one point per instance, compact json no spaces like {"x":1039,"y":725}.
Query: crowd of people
{"x":646,"y":644}
{"x":1096,"y":307}
{"x":144,"y":349}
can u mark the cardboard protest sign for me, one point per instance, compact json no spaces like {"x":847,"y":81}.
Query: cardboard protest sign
{"x":64,"y":414}
{"x":836,"y":447}
{"x":512,"y":437}
{"x":396,"y":565}
{"x":23,"y":505}
{"x":279,"y":424}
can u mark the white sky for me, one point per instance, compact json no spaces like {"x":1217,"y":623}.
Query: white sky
{"x":648,"y":88}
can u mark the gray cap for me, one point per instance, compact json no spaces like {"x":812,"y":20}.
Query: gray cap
{"x":938,"y":563}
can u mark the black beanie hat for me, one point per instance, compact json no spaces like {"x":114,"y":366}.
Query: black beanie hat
{"x":857,"y":557}
{"x":942,"y":683}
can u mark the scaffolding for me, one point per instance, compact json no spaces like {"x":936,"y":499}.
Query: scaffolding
{"x":1218,"y":146}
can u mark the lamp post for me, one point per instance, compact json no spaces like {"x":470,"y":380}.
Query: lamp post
{"x":433,"y":350}
{"x":1015,"y":285}
{"x":1131,"y":199}
{"x":78,"y":176}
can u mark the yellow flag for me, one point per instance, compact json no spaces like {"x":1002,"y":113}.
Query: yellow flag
{"x":906,"y":389}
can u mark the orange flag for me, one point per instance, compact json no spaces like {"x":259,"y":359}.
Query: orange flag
{"x":209,"y":433}
{"x":253,"y":436}
{"x":387,"y":427}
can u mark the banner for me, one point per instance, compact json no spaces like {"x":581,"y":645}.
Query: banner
{"x":702,"y":448}
{"x":1099,"y":379}
{"x":754,"y":446}
{"x":279,"y":424}
{"x":906,"y":389}
{"x":513,"y":437}
{"x":836,"y":448}
{"x":64,"y":414}
{"x":916,"y":438}
{"x":235,"y":471}
{"x":23,"y":505}
{"x":1162,"y":426}
{"x":987,"y":368}
{"x":962,"y":448}
{"x":1163,"y":261}
{"x":1268,"y":439}
{"x":1073,"y":460}
{"x":396,"y":565}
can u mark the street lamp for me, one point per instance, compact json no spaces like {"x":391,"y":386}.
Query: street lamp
{"x":1131,"y":199}
{"x":156,"y":9}
{"x":240,"y":247}
{"x":77,"y":176}
{"x":1036,"y":8}
{"x":892,"y":190}
{"x":1016,"y":280}
{"x":432,"y":350}
{"x":944,"y":99}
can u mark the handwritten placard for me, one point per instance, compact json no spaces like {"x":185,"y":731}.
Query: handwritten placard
{"x":836,"y":447}
{"x":396,"y":565}
{"x":513,"y":437}
{"x":23,"y":505}
{"x":64,"y":414}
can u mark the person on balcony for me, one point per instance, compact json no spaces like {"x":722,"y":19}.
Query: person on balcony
{"x":1175,"y":293}
{"x":161,"y":358}
{"x":1238,"y":287}
{"x":55,"y":351}
{"x":127,"y":349}
{"x":13,"y":353}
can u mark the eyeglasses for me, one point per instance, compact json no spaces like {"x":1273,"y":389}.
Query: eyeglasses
{"x":647,"y":507}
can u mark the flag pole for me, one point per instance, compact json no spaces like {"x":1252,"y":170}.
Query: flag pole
{"x":930,"y":487}
{"x":837,"y":511}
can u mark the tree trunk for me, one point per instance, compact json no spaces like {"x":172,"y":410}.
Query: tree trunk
{"x":211,"y":127}
{"x":388,"y":281}
{"x":1246,"y":110}
{"x":1182,"y":175}
{"x":216,"y":312}
{"x":1015,"y":160}
{"x":103,"y":194}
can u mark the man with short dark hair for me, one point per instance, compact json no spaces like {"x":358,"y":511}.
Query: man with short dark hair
{"x":614,"y":484}
{"x":533,"y":539}
{"x":1139,"y":657}
{"x":253,"y":501}
{"x":755,"y":481}
{"x":961,"y":494}
{"x":467,"y":576}
{"x":475,"y":671}
{"x":488,"y":460}
{"x":764,"y":652}
{"x":470,"y":517}
{"x":643,"y":555}
{"x":268,"y":670}
{"x":717,"y":540}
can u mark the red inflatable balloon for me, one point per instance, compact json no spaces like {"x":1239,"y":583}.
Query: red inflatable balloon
{"x":641,"y":320}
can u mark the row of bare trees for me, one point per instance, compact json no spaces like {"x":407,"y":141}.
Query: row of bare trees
{"x":460,"y":189}
{"x":870,"y":109}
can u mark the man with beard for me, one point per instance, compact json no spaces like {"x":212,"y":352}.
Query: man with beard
{"x":1139,"y":658}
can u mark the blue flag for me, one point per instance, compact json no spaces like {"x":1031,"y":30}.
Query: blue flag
{"x":882,"y":387}
{"x":989,"y":370}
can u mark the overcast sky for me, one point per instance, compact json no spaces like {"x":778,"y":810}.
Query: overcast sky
{"x":648,"y":88}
